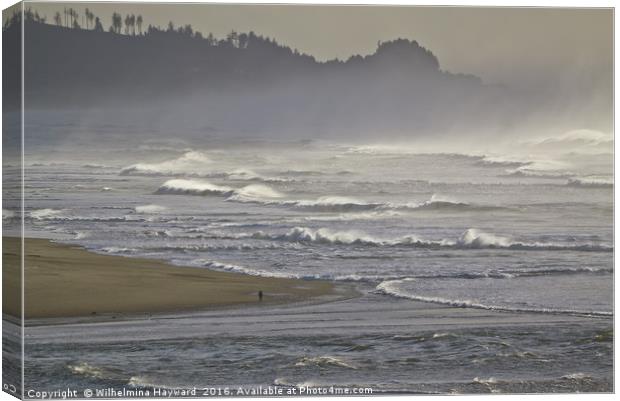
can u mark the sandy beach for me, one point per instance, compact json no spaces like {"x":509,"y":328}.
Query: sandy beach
{"x":68,"y":281}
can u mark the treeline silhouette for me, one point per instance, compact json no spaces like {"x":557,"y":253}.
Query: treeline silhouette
{"x":73,"y":62}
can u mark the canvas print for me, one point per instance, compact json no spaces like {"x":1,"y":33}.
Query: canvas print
{"x":213,"y":200}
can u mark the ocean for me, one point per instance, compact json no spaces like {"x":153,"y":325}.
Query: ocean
{"x":476,"y":272}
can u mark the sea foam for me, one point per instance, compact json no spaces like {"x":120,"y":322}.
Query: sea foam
{"x":193,"y":187}
{"x":470,"y":239}
{"x":190,"y":162}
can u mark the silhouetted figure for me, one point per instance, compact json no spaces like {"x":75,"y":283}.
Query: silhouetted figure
{"x":260,"y":295}
{"x":98,"y":26}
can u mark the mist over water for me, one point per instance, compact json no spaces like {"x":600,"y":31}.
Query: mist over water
{"x":526,"y":231}
{"x":368,"y":213}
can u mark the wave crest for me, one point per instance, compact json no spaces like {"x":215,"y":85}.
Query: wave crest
{"x":591,"y":182}
{"x":391,"y":287}
{"x":254,"y":192}
{"x":470,"y":239}
{"x":193,"y":187}
{"x":189,"y":162}
{"x":150,"y":209}
{"x":45,"y":214}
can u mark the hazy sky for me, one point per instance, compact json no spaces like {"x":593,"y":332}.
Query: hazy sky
{"x":515,"y":46}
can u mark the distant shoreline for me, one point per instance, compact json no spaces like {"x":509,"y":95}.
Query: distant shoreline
{"x":68,"y":281}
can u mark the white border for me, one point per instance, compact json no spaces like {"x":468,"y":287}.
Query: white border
{"x":475,"y":3}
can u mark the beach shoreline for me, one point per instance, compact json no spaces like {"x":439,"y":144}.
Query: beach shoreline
{"x":68,"y":281}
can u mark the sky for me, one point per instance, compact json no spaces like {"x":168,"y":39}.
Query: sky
{"x":540,"y":48}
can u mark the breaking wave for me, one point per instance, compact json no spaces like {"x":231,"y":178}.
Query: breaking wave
{"x":475,"y":239}
{"x":85,"y":369}
{"x":193,"y":187}
{"x":253,"y":193}
{"x":510,"y":273}
{"x":45,"y":214}
{"x":228,"y":267}
{"x":190,"y":162}
{"x":66,"y":215}
{"x":148,"y":209}
{"x":443,"y":202}
{"x":240,"y":269}
{"x":267,"y":196}
{"x":593,"y":182}
{"x":379,"y":277}
{"x":333,"y":204}
{"x":249,"y":175}
{"x":391,"y":287}
{"x":321,"y":236}
{"x":470,"y":239}
{"x":543,"y":169}
{"x":195,"y":164}
{"x":341,"y":204}
{"x":497,"y":161}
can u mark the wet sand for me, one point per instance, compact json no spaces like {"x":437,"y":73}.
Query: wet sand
{"x":68,"y":281}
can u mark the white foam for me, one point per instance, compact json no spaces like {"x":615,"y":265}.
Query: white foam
{"x":542,"y":168}
{"x":591,"y":182}
{"x":191,"y":161}
{"x":255,"y":192}
{"x":490,"y":380}
{"x":146,"y":382}
{"x":117,"y":250}
{"x":85,"y":369}
{"x":473,"y":238}
{"x":193,"y":187}
{"x":507,"y":161}
{"x":437,"y":201}
{"x":393,"y":287}
{"x":239,"y":269}
{"x":341,"y":204}
{"x":322,"y":235}
{"x":45,"y":214}
{"x":148,"y":209}
{"x":470,"y":239}
{"x":370,"y":215}
{"x":250,"y":175}
{"x":333,"y":204}
{"x":576,"y":376}
{"x":476,"y":239}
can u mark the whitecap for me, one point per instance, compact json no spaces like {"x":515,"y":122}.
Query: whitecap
{"x":189,"y":162}
{"x":45,"y":214}
{"x":148,"y":209}
{"x":325,"y":360}
{"x":193,"y":187}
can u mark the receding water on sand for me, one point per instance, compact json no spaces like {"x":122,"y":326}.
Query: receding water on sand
{"x":388,"y":344}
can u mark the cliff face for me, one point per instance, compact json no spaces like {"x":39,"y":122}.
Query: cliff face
{"x":248,"y":84}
